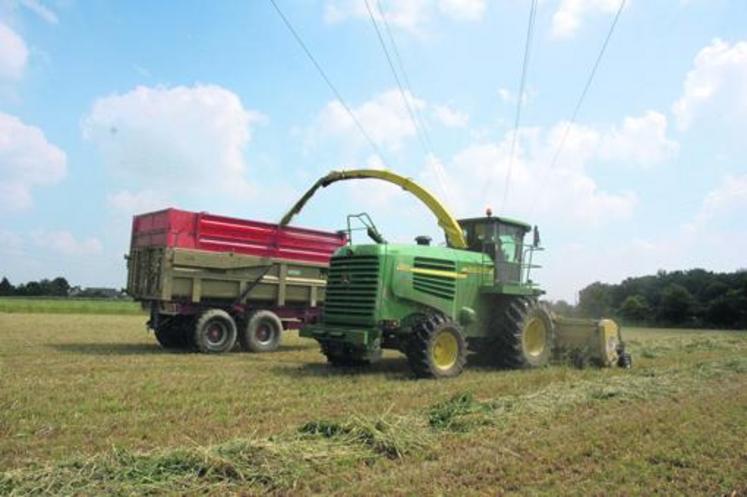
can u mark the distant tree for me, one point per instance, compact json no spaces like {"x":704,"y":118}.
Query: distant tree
{"x":6,"y":288}
{"x":563,"y":308}
{"x":31,"y":289}
{"x":727,"y":310}
{"x":677,"y":305}
{"x":595,"y":300}
{"x":59,"y":287}
{"x":714,"y":290}
{"x":635,"y":308}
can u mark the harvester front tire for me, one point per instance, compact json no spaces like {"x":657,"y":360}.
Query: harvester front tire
{"x":214,"y":332}
{"x":262,"y":332}
{"x":526,"y":334}
{"x":437,"y":348}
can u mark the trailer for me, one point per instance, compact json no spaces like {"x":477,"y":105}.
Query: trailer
{"x":210,"y":281}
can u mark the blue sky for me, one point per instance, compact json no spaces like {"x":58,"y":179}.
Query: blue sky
{"x":112,"y":108}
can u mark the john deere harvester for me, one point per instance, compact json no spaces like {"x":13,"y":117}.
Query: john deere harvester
{"x":435,"y":304}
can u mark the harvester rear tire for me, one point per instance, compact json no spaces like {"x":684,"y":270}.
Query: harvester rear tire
{"x":262,"y":332}
{"x":437,"y":348}
{"x":526,"y":334}
{"x":214,"y":332}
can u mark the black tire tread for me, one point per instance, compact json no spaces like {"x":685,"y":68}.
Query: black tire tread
{"x":508,"y":343}
{"x":418,"y":356}
{"x":246,"y":339}
{"x":202,"y":321}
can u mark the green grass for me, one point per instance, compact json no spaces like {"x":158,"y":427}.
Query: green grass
{"x":49,"y":305}
{"x":89,"y":405}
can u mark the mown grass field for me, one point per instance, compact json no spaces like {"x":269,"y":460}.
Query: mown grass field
{"x":68,"y":305}
{"x":90,"y":405}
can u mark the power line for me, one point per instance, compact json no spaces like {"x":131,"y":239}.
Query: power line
{"x":331,"y":86}
{"x":405,"y":77}
{"x":587,"y":85}
{"x":581,"y":98}
{"x":396,"y":77}
{"x":519,"y":101}
{"x":415,"y":116}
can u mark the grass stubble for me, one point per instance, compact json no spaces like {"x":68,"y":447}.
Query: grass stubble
{"x":676,"y":424}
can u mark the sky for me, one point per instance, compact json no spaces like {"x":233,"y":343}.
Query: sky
{"x":108,"y":109}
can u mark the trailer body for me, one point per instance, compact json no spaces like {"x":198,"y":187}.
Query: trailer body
{"x":182,"y":264}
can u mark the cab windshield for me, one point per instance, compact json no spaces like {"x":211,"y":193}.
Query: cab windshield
{"x":502,"y":242}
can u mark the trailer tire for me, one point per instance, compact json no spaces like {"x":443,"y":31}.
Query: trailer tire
{"x":168,"y":336}
{"x":526,"y":334}
{"x":173,"y":332}
{"x":262,"y":333}
{"x":214,"y":332}
{"x":437,"y":348}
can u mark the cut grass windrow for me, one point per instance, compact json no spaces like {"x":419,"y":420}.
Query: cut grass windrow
{"x":279,"y":463}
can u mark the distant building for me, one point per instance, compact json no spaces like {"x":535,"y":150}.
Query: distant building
{"x":97,"y":292}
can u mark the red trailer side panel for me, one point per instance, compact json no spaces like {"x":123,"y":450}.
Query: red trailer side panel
{"x":204,"y":231}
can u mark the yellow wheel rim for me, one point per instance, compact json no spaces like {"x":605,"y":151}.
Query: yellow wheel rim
{"x":445,"y":350}
{"x":534,"y":337}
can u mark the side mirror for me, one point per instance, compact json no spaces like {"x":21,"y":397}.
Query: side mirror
{"x":536,"y":242}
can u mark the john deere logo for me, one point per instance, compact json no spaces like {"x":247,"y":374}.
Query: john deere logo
{"x":345,"y":279}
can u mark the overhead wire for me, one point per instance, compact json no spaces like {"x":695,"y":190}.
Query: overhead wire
{"x":582,"y":97}
{"x":405,"y":77}
{"x":406,"y":100}
{"x":440,"y":177}
{"x":329,"y":83}
{"x":519,"y":101}
{"x":587,"y":85}
{"x":407,"y":96}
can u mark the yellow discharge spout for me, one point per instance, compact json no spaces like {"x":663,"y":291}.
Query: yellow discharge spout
{"x":454,"y":235}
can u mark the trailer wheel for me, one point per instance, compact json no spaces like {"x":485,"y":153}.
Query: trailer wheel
{"x":262,"y":332}
{"x":168,"y":336}
{"x":214,"y":332}
{"x":437,"y":348}
{"x":526,"y":334}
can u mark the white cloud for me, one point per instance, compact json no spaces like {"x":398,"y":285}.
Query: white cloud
{"x":384,"y":117}
{"x":509,"y":97}
{"x":27,"y":159}
{"x":186,"y":140}
{"x":641,"y":140}
{"x":130,"y":203}
{"x":41,"y":10}
{"x":463,"y":10}
{"x":728,"y":199}
{"x":65,"y":243}
{"x":716,"y":85}
{"x":565,"y":194}
{"x":13,"y":54}
{"x":450,"y":117}
{"x":571,"y":13}
{"x":410,"y":15}
{"x":568,"y":191}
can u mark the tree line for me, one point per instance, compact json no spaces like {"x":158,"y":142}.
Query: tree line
{"x":694,"y":298}
{"x":56,"y":287}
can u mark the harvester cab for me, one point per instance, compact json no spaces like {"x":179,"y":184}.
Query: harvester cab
{"x":436,"y":303}
{"x":502,"y":240}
